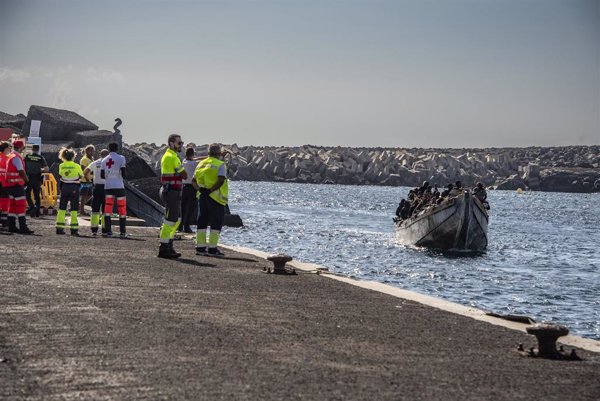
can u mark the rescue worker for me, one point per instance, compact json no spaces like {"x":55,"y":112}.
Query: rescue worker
{"x":35,"y":165}
{"x":70,"y":176}
{"x":5,"y":149}
{"x":113,"y":171}
{"x":95,"y":169}
{"x":16,"y":179}
{"x":189,"y":204}
{"x":85,"y":191}
{"x":210,"y":178}
{"x":172,"y":174}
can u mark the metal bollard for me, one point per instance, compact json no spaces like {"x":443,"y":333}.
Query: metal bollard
{"x":279,"y":260}
{"x":547,"y":334}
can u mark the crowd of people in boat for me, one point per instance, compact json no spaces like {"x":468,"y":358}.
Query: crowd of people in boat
{"x":425,"y":197}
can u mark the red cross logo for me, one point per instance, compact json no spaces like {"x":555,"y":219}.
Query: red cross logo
{"x":110,"y":163}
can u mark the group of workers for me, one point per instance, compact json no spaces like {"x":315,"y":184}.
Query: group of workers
{"x":194,"y":191}
{"x":183,"y":183}
{"x":425,"y":197}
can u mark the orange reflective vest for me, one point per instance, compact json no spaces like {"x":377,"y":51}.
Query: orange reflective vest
{"x":13,"y":178}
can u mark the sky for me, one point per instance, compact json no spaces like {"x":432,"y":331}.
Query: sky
{"x":405,"y":73}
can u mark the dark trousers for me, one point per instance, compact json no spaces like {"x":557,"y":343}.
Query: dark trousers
{"x":189,"y":206}
{"x":212,"y":213}
{"x":69,"y":193}
{"x":35,"y":186}
{"x":98,"y":199}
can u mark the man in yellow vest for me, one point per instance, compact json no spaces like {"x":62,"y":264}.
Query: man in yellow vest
{"x":210,"y":178}
{"x":172,"y":175}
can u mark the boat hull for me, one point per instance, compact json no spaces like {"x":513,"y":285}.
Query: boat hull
{"x":460,"y":225}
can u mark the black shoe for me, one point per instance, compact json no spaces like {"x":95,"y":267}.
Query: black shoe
{"x":13,"y":229}
{"x":215,"y":252}
{"x":187,"y":230}
{"x":25,"y":230}
{"x":174,"y":253}
{"x":122,"y":235}
{"x":60,"y":231}
{"x":201,"y":251}
{"x":75,"y":233}
{"x":165,"y":252}
{"x":107,"y":234}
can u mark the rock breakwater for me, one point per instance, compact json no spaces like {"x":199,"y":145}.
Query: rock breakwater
{"x":562,"y":169}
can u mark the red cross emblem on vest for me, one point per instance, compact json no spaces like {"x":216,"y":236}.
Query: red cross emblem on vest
{"x":110,"y":163}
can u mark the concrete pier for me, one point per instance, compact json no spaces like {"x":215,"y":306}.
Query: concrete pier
{"x":104,"y":319}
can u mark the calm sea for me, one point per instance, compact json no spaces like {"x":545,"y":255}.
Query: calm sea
{"x":543,"y":258}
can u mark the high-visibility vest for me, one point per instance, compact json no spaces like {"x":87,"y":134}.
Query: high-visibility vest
{"x":3,"y":160}
{"x":207,"y":174}
{"x":170,"y":169}
{"x":13,"y":177}
{"x":70,"y":172}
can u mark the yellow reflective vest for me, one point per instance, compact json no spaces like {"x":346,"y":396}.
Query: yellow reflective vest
{"x":70,"y":172}
{"x":170,"y":169}
{"x":207,"y":174}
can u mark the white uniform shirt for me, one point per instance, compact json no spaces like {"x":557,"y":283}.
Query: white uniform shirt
{"x":190,"y":167}
{"x":96,"y":167}
{"x":112,"y":165}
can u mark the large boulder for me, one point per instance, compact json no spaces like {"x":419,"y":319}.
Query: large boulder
{"x":136,"y":166}
{"x":569,"y":180}
{"x":57,"y":125}
{"x":13,"y":121}
{"x":94,"y":137}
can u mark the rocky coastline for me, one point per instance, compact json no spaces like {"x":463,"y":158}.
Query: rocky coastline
{"x":554,"y":169}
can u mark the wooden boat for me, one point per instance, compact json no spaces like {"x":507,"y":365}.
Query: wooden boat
{"x":459,"y":224}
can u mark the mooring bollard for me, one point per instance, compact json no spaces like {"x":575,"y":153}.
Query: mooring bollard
{"x":547,"y":334}
{"x":279,"y":260}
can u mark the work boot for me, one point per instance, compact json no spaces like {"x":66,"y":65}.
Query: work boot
{"x":60,"y":231}
{"x":201,"y":251}
{"x":75,"y":233}
{"x":187,"y":230}
{"x":165,"y":252}
{"x":173,"y":251}
{"x":216,"y":252}
{"x":12,"y":225}
{"x":25,"y":230}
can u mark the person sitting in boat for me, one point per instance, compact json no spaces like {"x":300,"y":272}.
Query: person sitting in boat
{"x":480,"y":193}
{"x":457,"y":190}
{"x":446,"y":192}
{"x":399,"y":210}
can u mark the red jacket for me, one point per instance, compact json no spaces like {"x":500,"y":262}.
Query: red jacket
{"x":3,"y":160}
{"x":13,"y":178}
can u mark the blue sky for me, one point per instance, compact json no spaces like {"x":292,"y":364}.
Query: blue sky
{"x":445,"y":73}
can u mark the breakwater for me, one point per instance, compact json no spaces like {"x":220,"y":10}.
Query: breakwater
{"x":556,"y":169}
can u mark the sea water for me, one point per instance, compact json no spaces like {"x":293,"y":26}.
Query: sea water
{"x":543,"y":257}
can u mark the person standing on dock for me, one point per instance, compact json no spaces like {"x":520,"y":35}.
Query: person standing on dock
{"x":98,"y":194}
{"x":113,"y":172}
{"x":35,"y":165}
{"x":5,"y":149}
{"x":172,"y":174}
{"x":210,"y":178}
{"x":70,"y":176}
{"x":189,"y":204}
{"x":86,"y":183}
{"x":16,"y":179}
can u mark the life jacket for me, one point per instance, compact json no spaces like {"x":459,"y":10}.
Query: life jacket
{"x":13,"y":178}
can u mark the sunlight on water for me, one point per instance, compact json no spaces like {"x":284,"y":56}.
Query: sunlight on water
{"x":543,"y":257}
